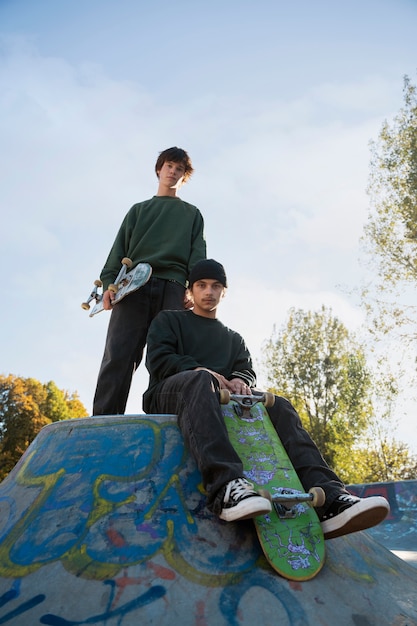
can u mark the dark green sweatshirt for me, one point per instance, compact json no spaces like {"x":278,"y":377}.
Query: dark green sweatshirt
{"x":180,"y":340}
{"x":165,"y":232}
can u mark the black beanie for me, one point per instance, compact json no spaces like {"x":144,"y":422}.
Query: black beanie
{"x":209,"y":268}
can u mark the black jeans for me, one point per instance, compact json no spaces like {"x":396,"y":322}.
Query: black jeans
{"x":126,"y":339}
{"x":194,"y":397}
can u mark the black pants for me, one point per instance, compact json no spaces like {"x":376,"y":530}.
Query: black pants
{"x":194,"y":397}
{"x":126,"y":339}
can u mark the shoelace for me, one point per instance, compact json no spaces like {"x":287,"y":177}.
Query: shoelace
{"x":346,"y":498}
{"x":237,"y":489}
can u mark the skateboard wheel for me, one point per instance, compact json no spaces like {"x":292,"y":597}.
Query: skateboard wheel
{"x":319,"y":497}
{"x":85,"y":306}
{"x":126,"y":261}
{"x":98,"y":283}
{"x":269,"y":399}
{"x":113,"y":288}
{"x":224,"y":396}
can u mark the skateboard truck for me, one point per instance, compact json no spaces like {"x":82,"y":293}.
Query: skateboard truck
{"x":246,"y":402}
{"x":286,"y":500}
{"x":118,"y":283}
{"x":94,"y":295}
{"x":114,"y":287}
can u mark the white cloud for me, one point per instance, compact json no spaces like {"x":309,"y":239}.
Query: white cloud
{"x":280,"y":182}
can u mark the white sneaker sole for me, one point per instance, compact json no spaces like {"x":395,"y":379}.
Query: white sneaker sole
{"x":248,"y":508}
{"x":364,"y":514}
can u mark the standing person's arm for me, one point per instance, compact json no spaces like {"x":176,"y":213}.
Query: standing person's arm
{"x":113,"y":263}
{"x":118,"y":250}
{"x":198,"y":250}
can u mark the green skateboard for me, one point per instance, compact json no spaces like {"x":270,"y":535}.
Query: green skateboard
{"x":125,"y":283}
{"x":290,"y":536}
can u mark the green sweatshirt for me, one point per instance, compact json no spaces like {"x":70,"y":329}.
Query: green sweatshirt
{"x":180,"y":340}
{"x":165,"y":232}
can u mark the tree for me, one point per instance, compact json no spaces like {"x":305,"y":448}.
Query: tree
{"x":316,"y":364}
{"x":388,"y":460}
{"x":344,"y":404}
{"x":74,"y":404}
{"x":390,"y":235}
{"x":390,"y":241}
{"x":378,"y":455}
{"x":26,"y":405}
{"x":21,"y":420}
{"x":55,"y":405}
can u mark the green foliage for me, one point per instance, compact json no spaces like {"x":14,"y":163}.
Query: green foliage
{"x":75,"y":406}
{"x":55,"y":405}
{"x":344,"y":405}
{"x":315,"y":363}
{"x":390,"y":236}
{"x":26,"y":405}
{"x":377,"y":461}
{"x":390,"y":241}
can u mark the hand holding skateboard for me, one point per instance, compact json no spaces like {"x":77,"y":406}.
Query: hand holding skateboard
{"x":125,"y":283}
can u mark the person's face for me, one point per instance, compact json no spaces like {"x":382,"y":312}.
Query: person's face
{"x":171,"y":174}
{"x":207,"y":294}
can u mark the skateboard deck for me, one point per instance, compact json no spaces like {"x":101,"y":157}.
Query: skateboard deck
{"x":125,"y":283}
{"x":290,"y":535}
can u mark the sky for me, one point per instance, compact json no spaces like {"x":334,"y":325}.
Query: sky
{"x":276,"y":103}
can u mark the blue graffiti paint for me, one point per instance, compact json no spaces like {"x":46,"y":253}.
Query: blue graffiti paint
{"x":24,"y":607}
{"x":232,"y":595}
{"x":123,"y":509}
{"x":11,"y":594}
{"x":82,"y":478}
{"x":153,"y":594}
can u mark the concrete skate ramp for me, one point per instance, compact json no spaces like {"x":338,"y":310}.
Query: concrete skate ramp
{"x":398,"y":533}
{"x":103,"y":521}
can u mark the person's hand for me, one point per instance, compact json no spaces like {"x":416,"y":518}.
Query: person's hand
{"x":223,"y":382}
{"x":188,"y":302}
{"x":238,"y":386}
{"x":108,"y":297}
